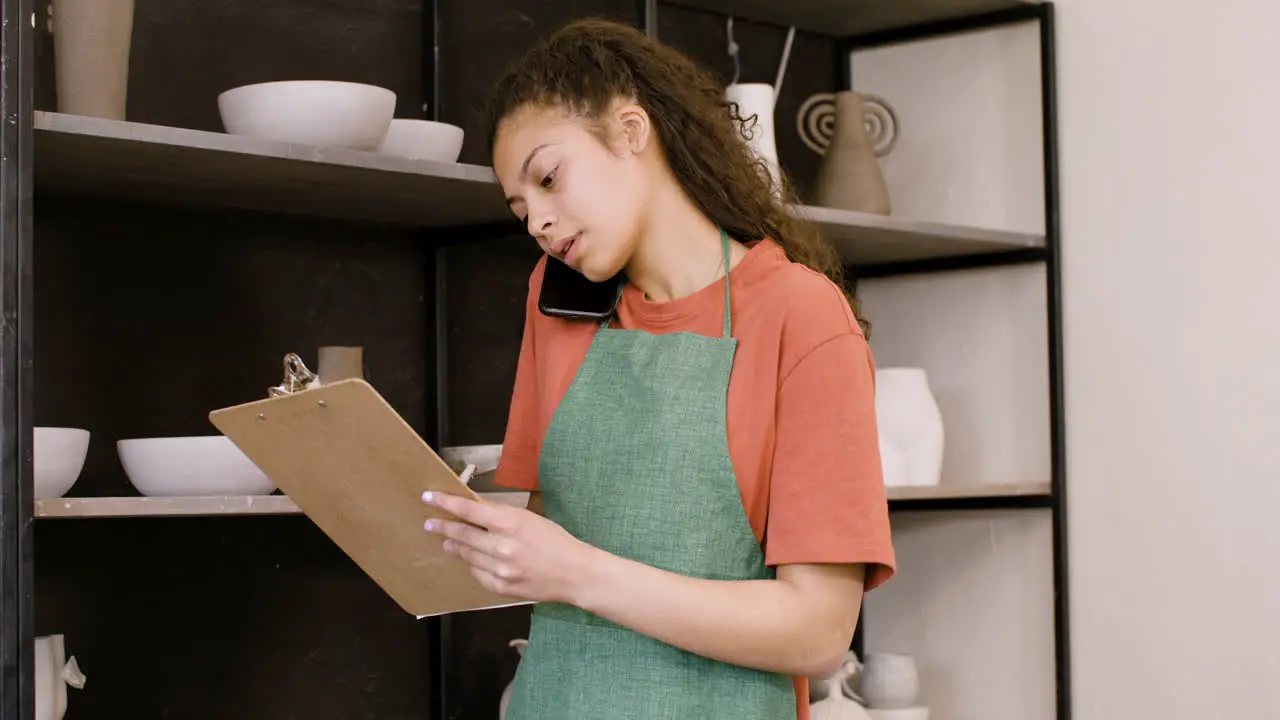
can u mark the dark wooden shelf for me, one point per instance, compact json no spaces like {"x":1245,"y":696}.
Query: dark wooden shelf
{"x":841,"y":18}
{"x":112,"y":158}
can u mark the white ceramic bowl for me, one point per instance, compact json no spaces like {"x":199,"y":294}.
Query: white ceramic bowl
{"x":191,"y":466}
{"x":423,"y":140}
{"x":311,"y":112}
{"x":58,"y":459}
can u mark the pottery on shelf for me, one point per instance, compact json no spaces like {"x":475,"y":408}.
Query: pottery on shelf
{"x":910,"y":426}
{"x":201,"y":465}
{"x":505,"y":701}
{"x":423,"y":140}
{"x":838,"y":699}
{"x":53,"y":673}
{"x":337,"y":362}
{"x":91,"y":44}
{"x":755,"y":107}
{"x":849,"y":176}
{"x":890,"y":681}
{"x":323,"y":113}
{"x":58,"y":459}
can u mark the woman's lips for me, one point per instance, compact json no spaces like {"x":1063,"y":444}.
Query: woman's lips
{"x":569,"y":247}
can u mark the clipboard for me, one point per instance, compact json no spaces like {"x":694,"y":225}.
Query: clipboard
{"x":358,"y":470}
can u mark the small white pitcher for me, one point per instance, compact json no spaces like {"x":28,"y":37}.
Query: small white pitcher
{"x":53,"y":675}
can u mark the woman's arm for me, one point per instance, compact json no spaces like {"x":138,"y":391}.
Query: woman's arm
{"x":799,"y":624}
{"x":802,"y":623}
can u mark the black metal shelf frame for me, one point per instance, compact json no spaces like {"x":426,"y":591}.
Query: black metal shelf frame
{"x":1056,"y":501}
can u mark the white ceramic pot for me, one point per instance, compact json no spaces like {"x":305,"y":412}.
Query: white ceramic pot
{"x":323,"y":113}
{"x":756,"y":99}
{"x":191,"y":466}
{"x":910,"y":427}
{"x":58,"y":459}
{"x":889,"y":681}
{"x":423,"y":140}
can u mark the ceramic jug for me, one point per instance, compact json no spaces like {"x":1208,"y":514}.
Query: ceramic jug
{"x":519,"y":645}
{"x":841,"y":702}
{"x":52,"y":677}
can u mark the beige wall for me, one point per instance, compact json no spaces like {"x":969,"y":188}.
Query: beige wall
{"x":1170,"y":154}
{"x":1170,"y":130}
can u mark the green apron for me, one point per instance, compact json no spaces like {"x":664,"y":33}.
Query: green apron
{"x":636,"y":462}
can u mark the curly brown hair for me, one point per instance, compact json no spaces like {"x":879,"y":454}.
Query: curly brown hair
{"x":588,"y":64}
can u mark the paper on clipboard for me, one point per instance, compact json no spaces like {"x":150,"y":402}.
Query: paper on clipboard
{"x":358,"y":470}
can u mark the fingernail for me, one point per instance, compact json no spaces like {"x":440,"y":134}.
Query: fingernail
{"x":427,"y":496}
{"x":430,"y":525}
{"x":449,"y":545}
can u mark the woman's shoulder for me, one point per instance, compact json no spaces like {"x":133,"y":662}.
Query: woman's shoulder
{"x":805,"y":305}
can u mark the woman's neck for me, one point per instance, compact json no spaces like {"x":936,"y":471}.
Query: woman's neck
{"x":679,"y":250}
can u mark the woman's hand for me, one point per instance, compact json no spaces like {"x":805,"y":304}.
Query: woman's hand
{"x":512,"y":551}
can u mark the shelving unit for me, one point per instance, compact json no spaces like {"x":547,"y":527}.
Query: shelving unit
{"x":135,"y":161}
{"x":46,"y":152}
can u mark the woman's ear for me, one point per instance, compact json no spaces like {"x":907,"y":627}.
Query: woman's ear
{"x":636,"y":130}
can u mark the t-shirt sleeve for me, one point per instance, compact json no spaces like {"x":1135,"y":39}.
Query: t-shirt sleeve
{"x":827,"y":501}
{"x":518,"y":466}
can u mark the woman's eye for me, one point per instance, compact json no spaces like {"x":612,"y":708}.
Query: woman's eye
{"x":550,"y":178}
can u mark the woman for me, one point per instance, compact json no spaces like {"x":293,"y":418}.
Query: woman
{"x":730,"y":394}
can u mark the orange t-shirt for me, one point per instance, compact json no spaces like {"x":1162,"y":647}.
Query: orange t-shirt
{"x":801,"y":405}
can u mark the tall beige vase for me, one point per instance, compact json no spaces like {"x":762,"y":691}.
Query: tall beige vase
{"x":849,"y":176}
{"x":339,"y":362}
{"x":92,"y":39}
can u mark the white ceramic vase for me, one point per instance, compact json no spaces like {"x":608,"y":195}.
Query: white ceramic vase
{"x":910,"y":427}
{"x":755,"y":107}
{"x":91,"y":41}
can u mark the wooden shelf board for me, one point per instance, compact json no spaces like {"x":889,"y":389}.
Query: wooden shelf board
{"x":867,"y":239}
{"x":842,"y":18}
{"x":107,"y":507}
{"x":127,"y":160}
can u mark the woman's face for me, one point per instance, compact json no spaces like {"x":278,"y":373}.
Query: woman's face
{"x":581,"y":197}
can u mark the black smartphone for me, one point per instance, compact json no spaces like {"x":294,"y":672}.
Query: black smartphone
{"x":567,"y":293}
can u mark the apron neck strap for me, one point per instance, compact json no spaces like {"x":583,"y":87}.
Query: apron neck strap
{"x":728,"y":319}
{"x":728,"y":315}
